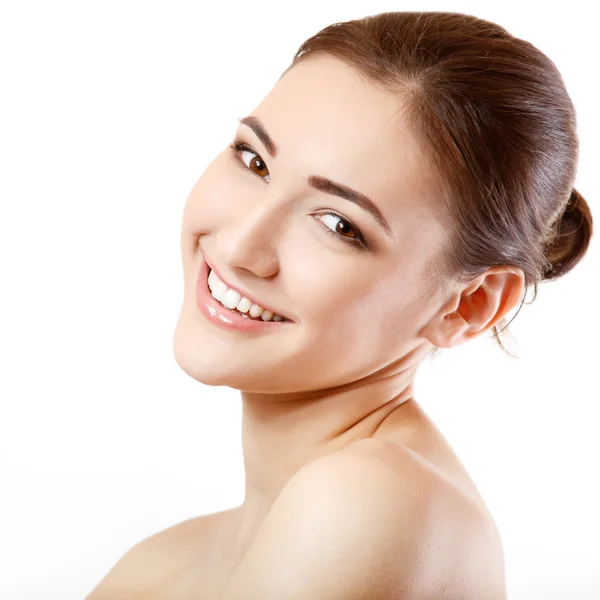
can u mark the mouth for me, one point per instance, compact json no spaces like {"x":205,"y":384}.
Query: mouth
{"x":242,"y":306}
{"x":236,"y":300}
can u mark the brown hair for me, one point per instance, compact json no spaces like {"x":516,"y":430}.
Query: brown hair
{"x":498,"y":125}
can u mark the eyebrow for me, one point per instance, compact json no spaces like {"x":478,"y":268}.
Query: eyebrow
{"x":318,"y":182}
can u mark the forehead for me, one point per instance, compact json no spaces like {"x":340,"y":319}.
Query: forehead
{"x":331,"y":121}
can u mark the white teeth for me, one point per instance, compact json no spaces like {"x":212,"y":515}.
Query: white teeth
{"x":231,"y":298}
{"x":256,"y":310}
{"x":211,"y":280}
{"x":219,"y":289}
{"x":234,"y":300}
{"x":244,"y":305}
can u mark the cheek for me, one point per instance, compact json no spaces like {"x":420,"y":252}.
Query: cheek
{"x":212,"y":194}
{"x":377,"y":314}
{"x":333,"y":298}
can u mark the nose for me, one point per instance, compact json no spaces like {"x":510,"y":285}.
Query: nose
{"x":251,"y":242}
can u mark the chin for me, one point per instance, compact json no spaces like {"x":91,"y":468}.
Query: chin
{"x":195,"y":355}
{"x":209,"y":362}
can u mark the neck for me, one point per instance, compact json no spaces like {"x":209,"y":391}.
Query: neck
{"x":282,"y":433}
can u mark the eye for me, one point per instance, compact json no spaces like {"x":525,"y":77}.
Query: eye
{"x":341,"y":228}
{"x":256,"y":163}
{"x":258,"y":166}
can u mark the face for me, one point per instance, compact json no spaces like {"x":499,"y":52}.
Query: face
{"x":358,"y":294}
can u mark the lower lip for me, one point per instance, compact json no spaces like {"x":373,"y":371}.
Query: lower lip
{"x":220,"y":315}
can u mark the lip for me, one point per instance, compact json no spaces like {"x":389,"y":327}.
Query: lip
{"x":222,"y":316}
{"x":242,"y":292}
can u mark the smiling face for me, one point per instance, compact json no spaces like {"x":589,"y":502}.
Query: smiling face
{"x":266,"y":219}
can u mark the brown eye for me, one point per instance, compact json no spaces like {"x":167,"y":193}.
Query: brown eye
{"x":257,"y":165}
{"x":341,"y":228}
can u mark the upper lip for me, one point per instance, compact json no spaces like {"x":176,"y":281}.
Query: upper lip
{"x":243,"y":292}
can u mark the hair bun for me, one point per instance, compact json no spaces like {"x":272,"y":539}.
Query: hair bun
{"x":574,"y":230}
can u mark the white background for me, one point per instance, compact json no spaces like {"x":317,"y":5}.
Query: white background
{"x":110,"y":111}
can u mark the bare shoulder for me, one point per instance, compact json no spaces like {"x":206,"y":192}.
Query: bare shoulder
{"x":371,"y":520}
{"x":426,"y":519}
{"x":155,"y":558}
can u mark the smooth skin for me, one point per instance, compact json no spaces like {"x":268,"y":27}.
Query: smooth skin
{"x":370,"y":523}
{"x":351,"y":492}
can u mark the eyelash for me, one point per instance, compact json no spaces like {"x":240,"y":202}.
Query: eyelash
{"x":239,"y":147}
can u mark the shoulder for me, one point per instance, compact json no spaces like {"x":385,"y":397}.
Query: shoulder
{"x":371,"y":521}
{"x":153,"y":559}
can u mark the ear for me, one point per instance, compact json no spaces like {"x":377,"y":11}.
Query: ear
{"x":476,"y":307}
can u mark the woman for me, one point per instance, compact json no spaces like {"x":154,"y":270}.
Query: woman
{"x":403,"y":184}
